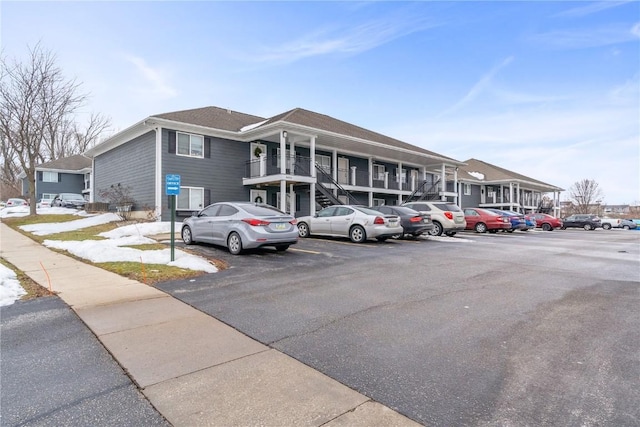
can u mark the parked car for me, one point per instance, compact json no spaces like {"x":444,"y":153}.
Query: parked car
{"x":483,"y":220}
{"x":530,"y":220}
{"x":241,"y":225}
{"x":517,"y":220}
{"x":586,"y":221}
{"x":547,"y":222}
{"x":69,"y":200}
{"x":13,"y":202}
{"x":446,"y":217}
{"x":609,"y":223}
{"x":43,"y":203}
{"x":413,"y":222}
{"x":355,"y":222}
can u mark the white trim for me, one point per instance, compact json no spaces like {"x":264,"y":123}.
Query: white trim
{"x":190,"y":135}
{"x":158,"y":177}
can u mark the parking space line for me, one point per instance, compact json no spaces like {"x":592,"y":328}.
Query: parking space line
{"x":305,"y":251}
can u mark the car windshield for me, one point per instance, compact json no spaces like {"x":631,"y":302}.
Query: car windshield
{"x":262,"y":210}
{"x":405,"y":210}
{"x":448,"y":207}
{"x":366,"y":210}
{"x":71,"y":196}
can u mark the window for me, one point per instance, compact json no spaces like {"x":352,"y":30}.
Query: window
{"x":378,"y":202}
{"x":48,"y":196}
{"x":467,"y":189}
{"x":190,"y":199}
{"x":401,"y":175}
{"x":324,"y":162}
{"x":378,"y":172}
{"x":190,"y":145}
{"x":490,"y":192}
{"x":49,"y":176}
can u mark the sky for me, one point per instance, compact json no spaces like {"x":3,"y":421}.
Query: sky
{"x":548,"y":89}
{"x":109,"y":249}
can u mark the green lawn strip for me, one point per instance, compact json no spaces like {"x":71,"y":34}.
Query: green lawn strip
{"x":149,"y":273}
{"x":16,"y":222}
{"x":147,"y":246}
{"x":33,"y":289}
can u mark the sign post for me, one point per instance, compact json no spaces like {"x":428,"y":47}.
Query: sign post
{"x":172,"y":182}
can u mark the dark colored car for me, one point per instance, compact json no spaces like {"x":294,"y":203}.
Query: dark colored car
{"x":517,"y":220}
{"x":547,"y":222}
{"x":483,"y":220}
{"x":586,"y":221}
{"x":69,"y":200}
{"x":413,"y":222}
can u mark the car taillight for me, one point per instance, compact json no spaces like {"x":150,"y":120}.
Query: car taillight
{"x":415,"y":219}
{"x":378,"y":220}
{"x":293,"y":221}
{"x":255,"y":222}
{"x":448,"y":215}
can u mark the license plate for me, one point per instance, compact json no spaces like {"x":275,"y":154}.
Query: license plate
{"x":280,"y":226}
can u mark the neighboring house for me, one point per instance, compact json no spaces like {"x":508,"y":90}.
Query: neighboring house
{"x":482,"y":184}
{"x":68,"y":175}
{"x":298,"y":161}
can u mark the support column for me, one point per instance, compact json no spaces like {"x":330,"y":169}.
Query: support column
{"x":158,"y":195}
{"x":292,"y":201}
{"x":312,"y":168}
{"x":353,"y":175}
{"x":456,"y":187}
{"x":283,"y":153}
{"x":443,"y":182}
{"x":370,"y":173}
{"x":283,"y":195}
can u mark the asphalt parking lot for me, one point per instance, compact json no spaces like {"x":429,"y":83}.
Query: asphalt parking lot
{"x":536,"y":328}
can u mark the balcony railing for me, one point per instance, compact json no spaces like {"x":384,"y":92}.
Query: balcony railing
{"x":270,"y":165}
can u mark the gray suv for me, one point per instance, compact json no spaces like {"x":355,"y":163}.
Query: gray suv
{"x":447,"y":217}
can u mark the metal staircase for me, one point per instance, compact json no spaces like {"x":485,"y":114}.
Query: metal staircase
{"x":545,"y":206}
{"x":424,"y":191}
{"x":325,"y":196}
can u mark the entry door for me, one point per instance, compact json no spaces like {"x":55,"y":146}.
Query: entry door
{"x":258,"y":196}
{"x":343,"y":170}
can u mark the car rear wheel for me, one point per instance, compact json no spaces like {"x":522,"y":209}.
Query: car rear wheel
{"x":510,"y":230}
{"x":381,"y":239}
{"x":303,"y":229}
{"x":481,"y":227}
{"x":282,"y":248}
{"x":606,"y":226}
{"x":357,"y":234}
{"x":546,"y":227}
{"x":587,"y":227}
{"x":187,"y":237}
{"x":436,"y":230}
{"x":234,"y":243}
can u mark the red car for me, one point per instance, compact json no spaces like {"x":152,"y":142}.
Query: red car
{"x":547,"y":222}
{"x":482,"y":220}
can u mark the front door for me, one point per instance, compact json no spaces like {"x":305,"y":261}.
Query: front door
{"x":257,"y":150}
{"x":343,"y":170}
{"x":258,"y":196}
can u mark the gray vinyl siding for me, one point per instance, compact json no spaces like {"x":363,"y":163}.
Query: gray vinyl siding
{"x":68,"y":183}
{"x":131,"y":164}
{"x":221,"y":174}
{"x":473,"y":200}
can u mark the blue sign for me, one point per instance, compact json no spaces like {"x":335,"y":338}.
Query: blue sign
{"x":172,"y":184}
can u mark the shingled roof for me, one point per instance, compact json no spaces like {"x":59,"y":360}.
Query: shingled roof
{"x":223,"y":119}
{"x":72,"y":163}
{"x":493,"y":173}
{"x":212,"y":117}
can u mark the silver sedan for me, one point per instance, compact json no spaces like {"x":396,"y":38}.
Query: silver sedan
{"x":241,"y":225}
{"x":355,"y":222}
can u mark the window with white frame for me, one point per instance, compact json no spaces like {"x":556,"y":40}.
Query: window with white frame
{"x":87,"y":181}
{"x":378,"y":172}
{"x":190,"y":145}
{"x":48,"y":196}
{"x":190,"y":199}
{"x":378,"y":202}
{"x":49,"y":176}
{"x":324,"y":162}
{"x":490,"y":191}
{"x":467,"y":189}
{"x":401,"y":175}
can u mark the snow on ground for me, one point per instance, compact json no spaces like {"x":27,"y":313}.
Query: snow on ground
{"x":10,"y":289}
{"x":109,"y":250}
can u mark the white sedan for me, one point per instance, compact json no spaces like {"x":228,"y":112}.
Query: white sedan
{"x":355,"y":222}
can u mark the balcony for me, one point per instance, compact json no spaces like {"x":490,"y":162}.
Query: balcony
{"x":270,"y":165}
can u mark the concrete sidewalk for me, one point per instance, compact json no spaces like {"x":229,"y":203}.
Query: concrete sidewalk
{"x":193,"y":368}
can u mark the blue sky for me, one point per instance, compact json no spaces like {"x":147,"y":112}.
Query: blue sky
{"x":549,"y":89}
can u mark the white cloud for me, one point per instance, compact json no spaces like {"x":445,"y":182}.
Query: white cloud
{"x":587,"y":37}
{"x":591,"y":8}
{"x":155,"y":81}
{"x":349,"y":39}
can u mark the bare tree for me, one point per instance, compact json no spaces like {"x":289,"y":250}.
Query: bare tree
{"x":37,"y":108}
{"x":584,"y":195}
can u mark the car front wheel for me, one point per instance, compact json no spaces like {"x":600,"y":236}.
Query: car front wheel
{"x":187,"y":237}
{"x":234,"y":243}
{"x":626,"y":227}
{"x":606,"y":226}
{"x":587,"y":227}
{"x":357,"y":234}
